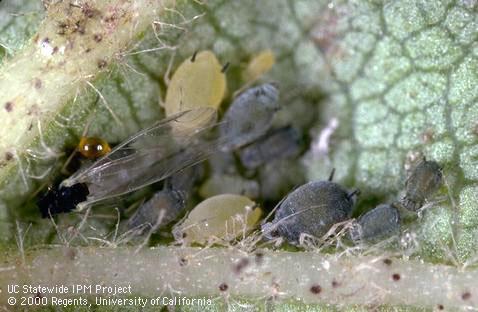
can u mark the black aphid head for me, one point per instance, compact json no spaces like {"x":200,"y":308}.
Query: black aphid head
{"x":62,"y":199}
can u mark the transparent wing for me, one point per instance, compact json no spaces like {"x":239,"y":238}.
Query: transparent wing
{"x":151,"y":155}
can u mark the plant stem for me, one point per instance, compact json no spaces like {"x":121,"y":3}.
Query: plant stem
{"x":268,"y":275}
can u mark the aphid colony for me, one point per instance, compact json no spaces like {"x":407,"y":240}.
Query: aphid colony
{"x":173,"y":149}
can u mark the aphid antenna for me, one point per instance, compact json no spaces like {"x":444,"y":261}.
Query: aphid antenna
{"x":178,"y":13}
{"x":225,"y":67}
{"x":331,"y":176}
{"x":162,"y":24}
{"x":161,"y":42}
{"x":163,"y":46}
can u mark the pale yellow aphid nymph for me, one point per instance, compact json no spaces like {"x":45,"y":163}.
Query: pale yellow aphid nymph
{"x":259,"y":65}
{"x":198,"y":82}
{"x":221,"y":217}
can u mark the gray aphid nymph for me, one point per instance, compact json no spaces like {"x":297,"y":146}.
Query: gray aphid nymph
{"x":280,"y":143}
{"x":425,"y":179}
{"x":379,"y":223}
{"x":249,"y":116}
{"x":172,"y":202}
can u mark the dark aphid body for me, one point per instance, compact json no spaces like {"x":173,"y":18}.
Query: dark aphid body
{"x":185,"y":179}
{"x":93,"y":148}
{"x":379,"y":223}
{"x":423,"y":182}
{"x":62,"y":199}
{"x":249,"y":116}
{"x":281,"y":143}
{"x":312,"y":209}
{"x":172,"y":202}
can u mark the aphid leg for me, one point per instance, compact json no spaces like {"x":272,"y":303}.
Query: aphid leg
{"x":166,"y":77}
{"x":161,"y":42}
{"x":118,"y":121}
{"x":162,"y":24}
{"x":162,"y":46}
{"x":332,"y":173}
{"x":225,"y":67}
{"x":80,"y":226}
{"x":40,"y":176}
{"x":185,"y":21}
{"x":58,"y":232}
{"x":155,"y":227}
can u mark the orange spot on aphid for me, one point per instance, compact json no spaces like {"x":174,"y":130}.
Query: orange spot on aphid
{"x":93,"y":148}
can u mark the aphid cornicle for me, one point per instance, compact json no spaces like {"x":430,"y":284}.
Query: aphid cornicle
{"x":381,"y":222}
{"x":312,"y":209}
{"x":425,"y":179}
{"x":250,"y":115}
